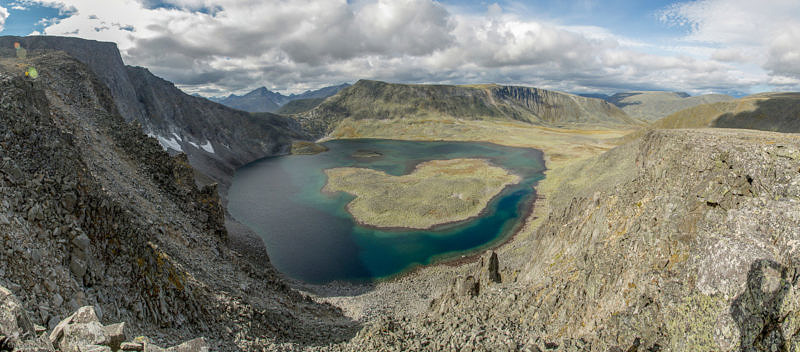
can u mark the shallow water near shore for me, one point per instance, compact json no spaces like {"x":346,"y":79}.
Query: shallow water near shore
{"x":311,"y":237}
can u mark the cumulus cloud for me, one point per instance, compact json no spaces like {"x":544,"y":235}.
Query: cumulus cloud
{"x":3,"y":16}
{"x":765,"y":33}
{"x":233,"y":46}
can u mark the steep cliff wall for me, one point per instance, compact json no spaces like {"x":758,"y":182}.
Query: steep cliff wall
{"x":559,"y":108}
{"x":216,"y":138}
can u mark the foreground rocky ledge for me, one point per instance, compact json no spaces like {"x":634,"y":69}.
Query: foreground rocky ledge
{"x":81,"y":331}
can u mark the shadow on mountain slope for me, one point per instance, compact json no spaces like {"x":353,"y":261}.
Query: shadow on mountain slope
{"x":779,"y":113}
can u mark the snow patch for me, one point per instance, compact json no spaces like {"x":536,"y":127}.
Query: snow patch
{"x":208,"y":147}
{"x":193,"y":144}
{"x":177,"y":136}
{"x":169,"y":143}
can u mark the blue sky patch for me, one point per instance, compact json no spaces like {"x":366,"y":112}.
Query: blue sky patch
{"x":24,"y":18}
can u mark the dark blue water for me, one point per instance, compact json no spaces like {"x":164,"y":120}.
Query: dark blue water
{"x":310,"y":236}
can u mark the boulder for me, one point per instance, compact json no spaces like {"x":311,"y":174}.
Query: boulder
{"x":79,"y":330}
{"x":77,"y":266}
{"x":197,"y":345}
{"x":85,"y":315}
{"x":131,"y":346}
{"x":81,"y":242}
{"x":115,"y":334}
{"x":78,"y":335}
{"x":17,"y":331}
{"x":14,"y":321}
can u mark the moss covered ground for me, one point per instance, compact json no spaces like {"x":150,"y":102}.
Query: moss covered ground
{"x":436,"y":192}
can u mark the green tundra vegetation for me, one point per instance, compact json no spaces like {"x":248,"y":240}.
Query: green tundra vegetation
{"x":436,"y":192}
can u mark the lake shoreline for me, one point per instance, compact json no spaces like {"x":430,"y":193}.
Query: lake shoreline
{"x":470,"y":256}
{"x":439,"y":226}
{"x":343,"y":288}
{"x":361,"y":250}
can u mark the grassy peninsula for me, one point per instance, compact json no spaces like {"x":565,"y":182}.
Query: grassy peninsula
{"x":436,"y":192}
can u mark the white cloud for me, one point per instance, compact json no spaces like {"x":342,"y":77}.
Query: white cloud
{"x":232,"y":45}
{"x":761,"y":32}
{"x":3,"y":16}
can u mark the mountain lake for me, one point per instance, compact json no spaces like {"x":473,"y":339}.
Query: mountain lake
{"x":310,"y":236}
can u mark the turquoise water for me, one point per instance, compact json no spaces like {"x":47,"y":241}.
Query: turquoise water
{"x":310,"y":236}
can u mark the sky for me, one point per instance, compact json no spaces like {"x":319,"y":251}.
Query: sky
{"x":215,"y":48}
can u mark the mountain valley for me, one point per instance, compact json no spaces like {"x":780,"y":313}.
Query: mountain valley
{"x":677,"y":233}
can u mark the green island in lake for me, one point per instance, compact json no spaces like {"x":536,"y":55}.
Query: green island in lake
{"x":436,"y":192}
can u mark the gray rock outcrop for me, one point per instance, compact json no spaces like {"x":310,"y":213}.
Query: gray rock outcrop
{"x":112,"y":221}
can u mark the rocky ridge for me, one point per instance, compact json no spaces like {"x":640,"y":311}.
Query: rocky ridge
{"x":380,"y":100}
{"x":264,"y":100}
{"x":217,"y":139}
{"x":765,"y":111}
{"x":110,"y":220}
{"x":654,"y":105}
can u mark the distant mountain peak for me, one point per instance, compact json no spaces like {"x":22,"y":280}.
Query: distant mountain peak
{"x":264,"y":100}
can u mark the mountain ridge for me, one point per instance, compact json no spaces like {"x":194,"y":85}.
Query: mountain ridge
{"x":654,"y":105}
{"x":216,"y":138}
{"x":368,"y":99}
{"x":111,"y":220}
{"x":263,"y":100}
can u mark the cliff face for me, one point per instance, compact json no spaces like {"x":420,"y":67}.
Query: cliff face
{"x":559,"y":108}
{"x":379,"y":100}
{"x":217,"y":139}
{"x":93,"y":212}
{"x":102,"y":58}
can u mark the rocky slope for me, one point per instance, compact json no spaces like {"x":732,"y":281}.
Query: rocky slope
{"x":264,"y":100}
{"x":93,"y":212}
{"x":299,"y":106}
{"x":684,"y":240}
{"x":81,"y":331}
{"x":654,"y":105}
{"x":216,"y":138}
{"x":380,"y":100}
{"x":766,"y":112}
